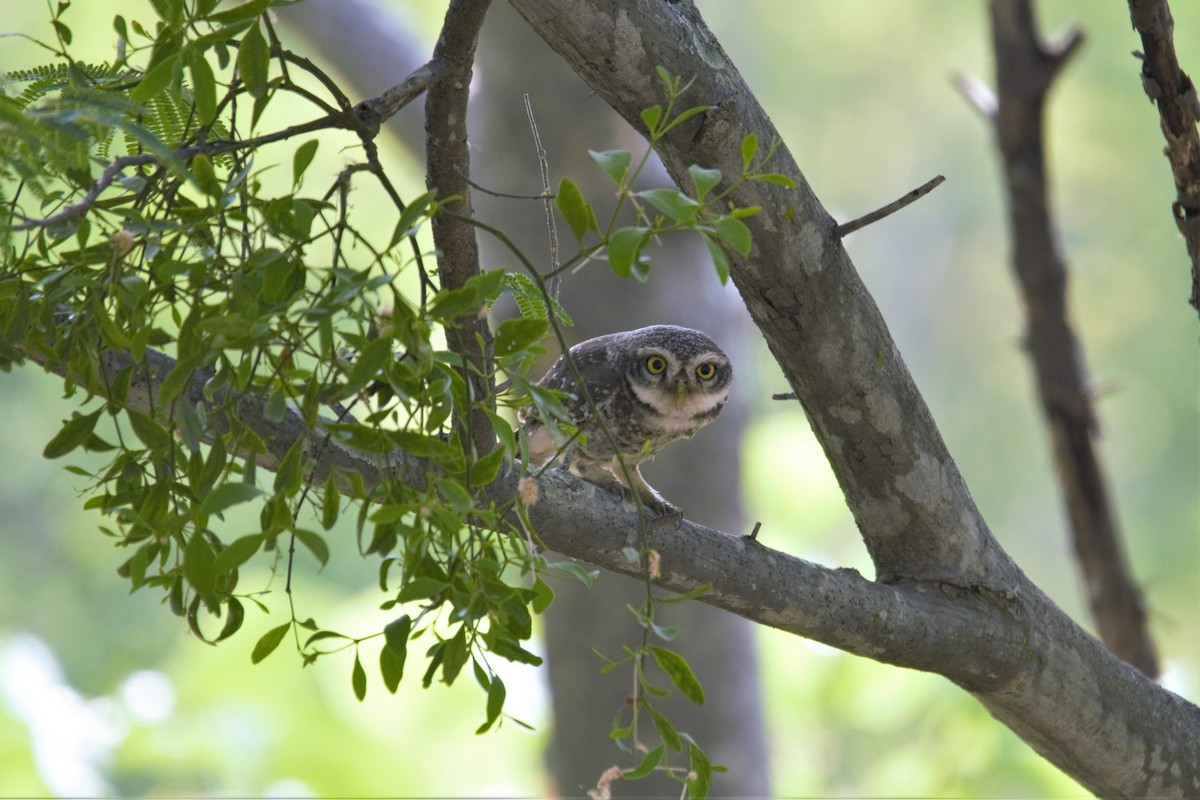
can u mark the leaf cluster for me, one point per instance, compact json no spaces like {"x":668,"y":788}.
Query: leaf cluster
{"x":252,"y":311}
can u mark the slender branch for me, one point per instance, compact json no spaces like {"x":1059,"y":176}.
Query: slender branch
{"x":847,"y":228}
{"x":448,"y":164}
{"x":1174,"y":93}
{"x":1025,"y":70}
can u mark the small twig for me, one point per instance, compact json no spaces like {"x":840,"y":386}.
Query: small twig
{"x":397,"y":97}
{"x":785,"y":396}
{"x":753,"y":535}
{"x":547,"y":193}
{"x":494,"y":193}
{"x":847,"y":228}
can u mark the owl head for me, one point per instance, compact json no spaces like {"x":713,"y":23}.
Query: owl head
{"x":679,"y":372}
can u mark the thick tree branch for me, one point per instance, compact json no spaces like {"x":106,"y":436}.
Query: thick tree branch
{"x":1069,"y":698}
{"x":1170,"y":88}
{"x":1046,"y":676}
{"x":1025,"y":70}
{"x":448,"y":165}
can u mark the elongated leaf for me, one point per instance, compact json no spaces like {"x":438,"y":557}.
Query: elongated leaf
{"x":73,"y":434}
{"x":358,"y":678}
{"x":302,"y":158}
{"x":647,"y":765}
{"x":578,"y":214}
{"x":680,"y":672}
{"x":227,"y":495}
{"x":238,"y":552}
{"x":672,"y":202}
{"x":253,"y":61}
{"x":315,"y":543}
{"x":268,"y":642}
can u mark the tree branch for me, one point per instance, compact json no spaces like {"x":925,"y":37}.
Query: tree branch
{"x":1170,"y":88}
{"x":846,"y":228}
{"x":448,"y":165}
{"x":1025,"y":71}
{"x":1081,"y":718}
{"x":1070,"y":698}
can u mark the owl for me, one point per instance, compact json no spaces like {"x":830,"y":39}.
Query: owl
{"x":647,"y":388}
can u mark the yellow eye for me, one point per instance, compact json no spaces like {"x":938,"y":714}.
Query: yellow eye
{"x":656,"y":365}
{"x":706,"y":371}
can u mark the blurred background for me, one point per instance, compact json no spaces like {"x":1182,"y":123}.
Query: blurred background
{"x":105,"y":693}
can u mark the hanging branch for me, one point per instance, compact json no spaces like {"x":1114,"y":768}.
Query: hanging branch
{"x":1170,"y":88}
{"x":1025,"y":70}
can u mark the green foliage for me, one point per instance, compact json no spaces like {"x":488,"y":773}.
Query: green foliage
{"x":273,"y":310}
{"x":665,"y":210}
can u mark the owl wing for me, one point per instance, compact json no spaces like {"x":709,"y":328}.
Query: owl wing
{"x":592,"y":359}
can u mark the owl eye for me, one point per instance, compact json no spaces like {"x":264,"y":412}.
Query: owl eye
{"x":656,"y":365}
{"x":706,"y":371}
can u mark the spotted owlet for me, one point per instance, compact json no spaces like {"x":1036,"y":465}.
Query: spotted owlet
{"x":648,"y":386}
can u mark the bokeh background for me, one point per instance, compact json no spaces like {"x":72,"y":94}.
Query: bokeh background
{"x":102,"y":692}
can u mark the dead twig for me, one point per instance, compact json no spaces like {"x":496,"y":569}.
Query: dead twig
{"x":846,"y":228}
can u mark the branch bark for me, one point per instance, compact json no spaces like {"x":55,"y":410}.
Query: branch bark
{"x":1064,"y":694}
{"x":1098,"y":719}
{"x":1025,"y":71}
{"x":1173,"y":92}
{"x":448,"y":165}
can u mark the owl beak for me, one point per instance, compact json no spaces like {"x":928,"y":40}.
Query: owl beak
{"x":681,"y":393}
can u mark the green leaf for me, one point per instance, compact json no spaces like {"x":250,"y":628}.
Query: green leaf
{"x":749,"y":148}
{"x":776,"y":178}
{"x":624,"y":252}
{"x":615,"y":163}
{"x":331,"y":503}
{"x":315,"y":543}
{"x":585,"y":576}
{"x":672,"y":202}
{"x":226,"y":495}
{"x":204,"y":86}
{"x":253,"y":59}
{"x":198,"y":561}
{"x":666,"y":730}
{"x":734,"y":233}
{"x":247,"y":10}
{"x":496,"y":694}
{"x":454,"y":656}
{"x":719,"y":259}
{"x":155,"y":81}
{"x":234,"y":618}
{"x":677,"y":669}
{"x":407,"y":224}
{"x":302,"y":158}
{"x":704,"y":180}
{"x":153,"y":435}
{"x":650,"y":118}
{"x":238,"y":552}
{"x":392,"y":657}
{"x":268,"y":642}
{"x":647,"y":764}
{"x":543,"y":596}
{"x":74,"y":433}
{"x":451,"y":303}
{"x":578,"y":214}
{"x":358,"y":678}
{"x":205,"y":176}
{"x":699,"y":591}
{"x":700,"y":776}
{"x":514,"y":335}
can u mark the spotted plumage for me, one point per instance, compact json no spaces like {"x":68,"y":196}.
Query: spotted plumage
{"x":648,"y":387}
